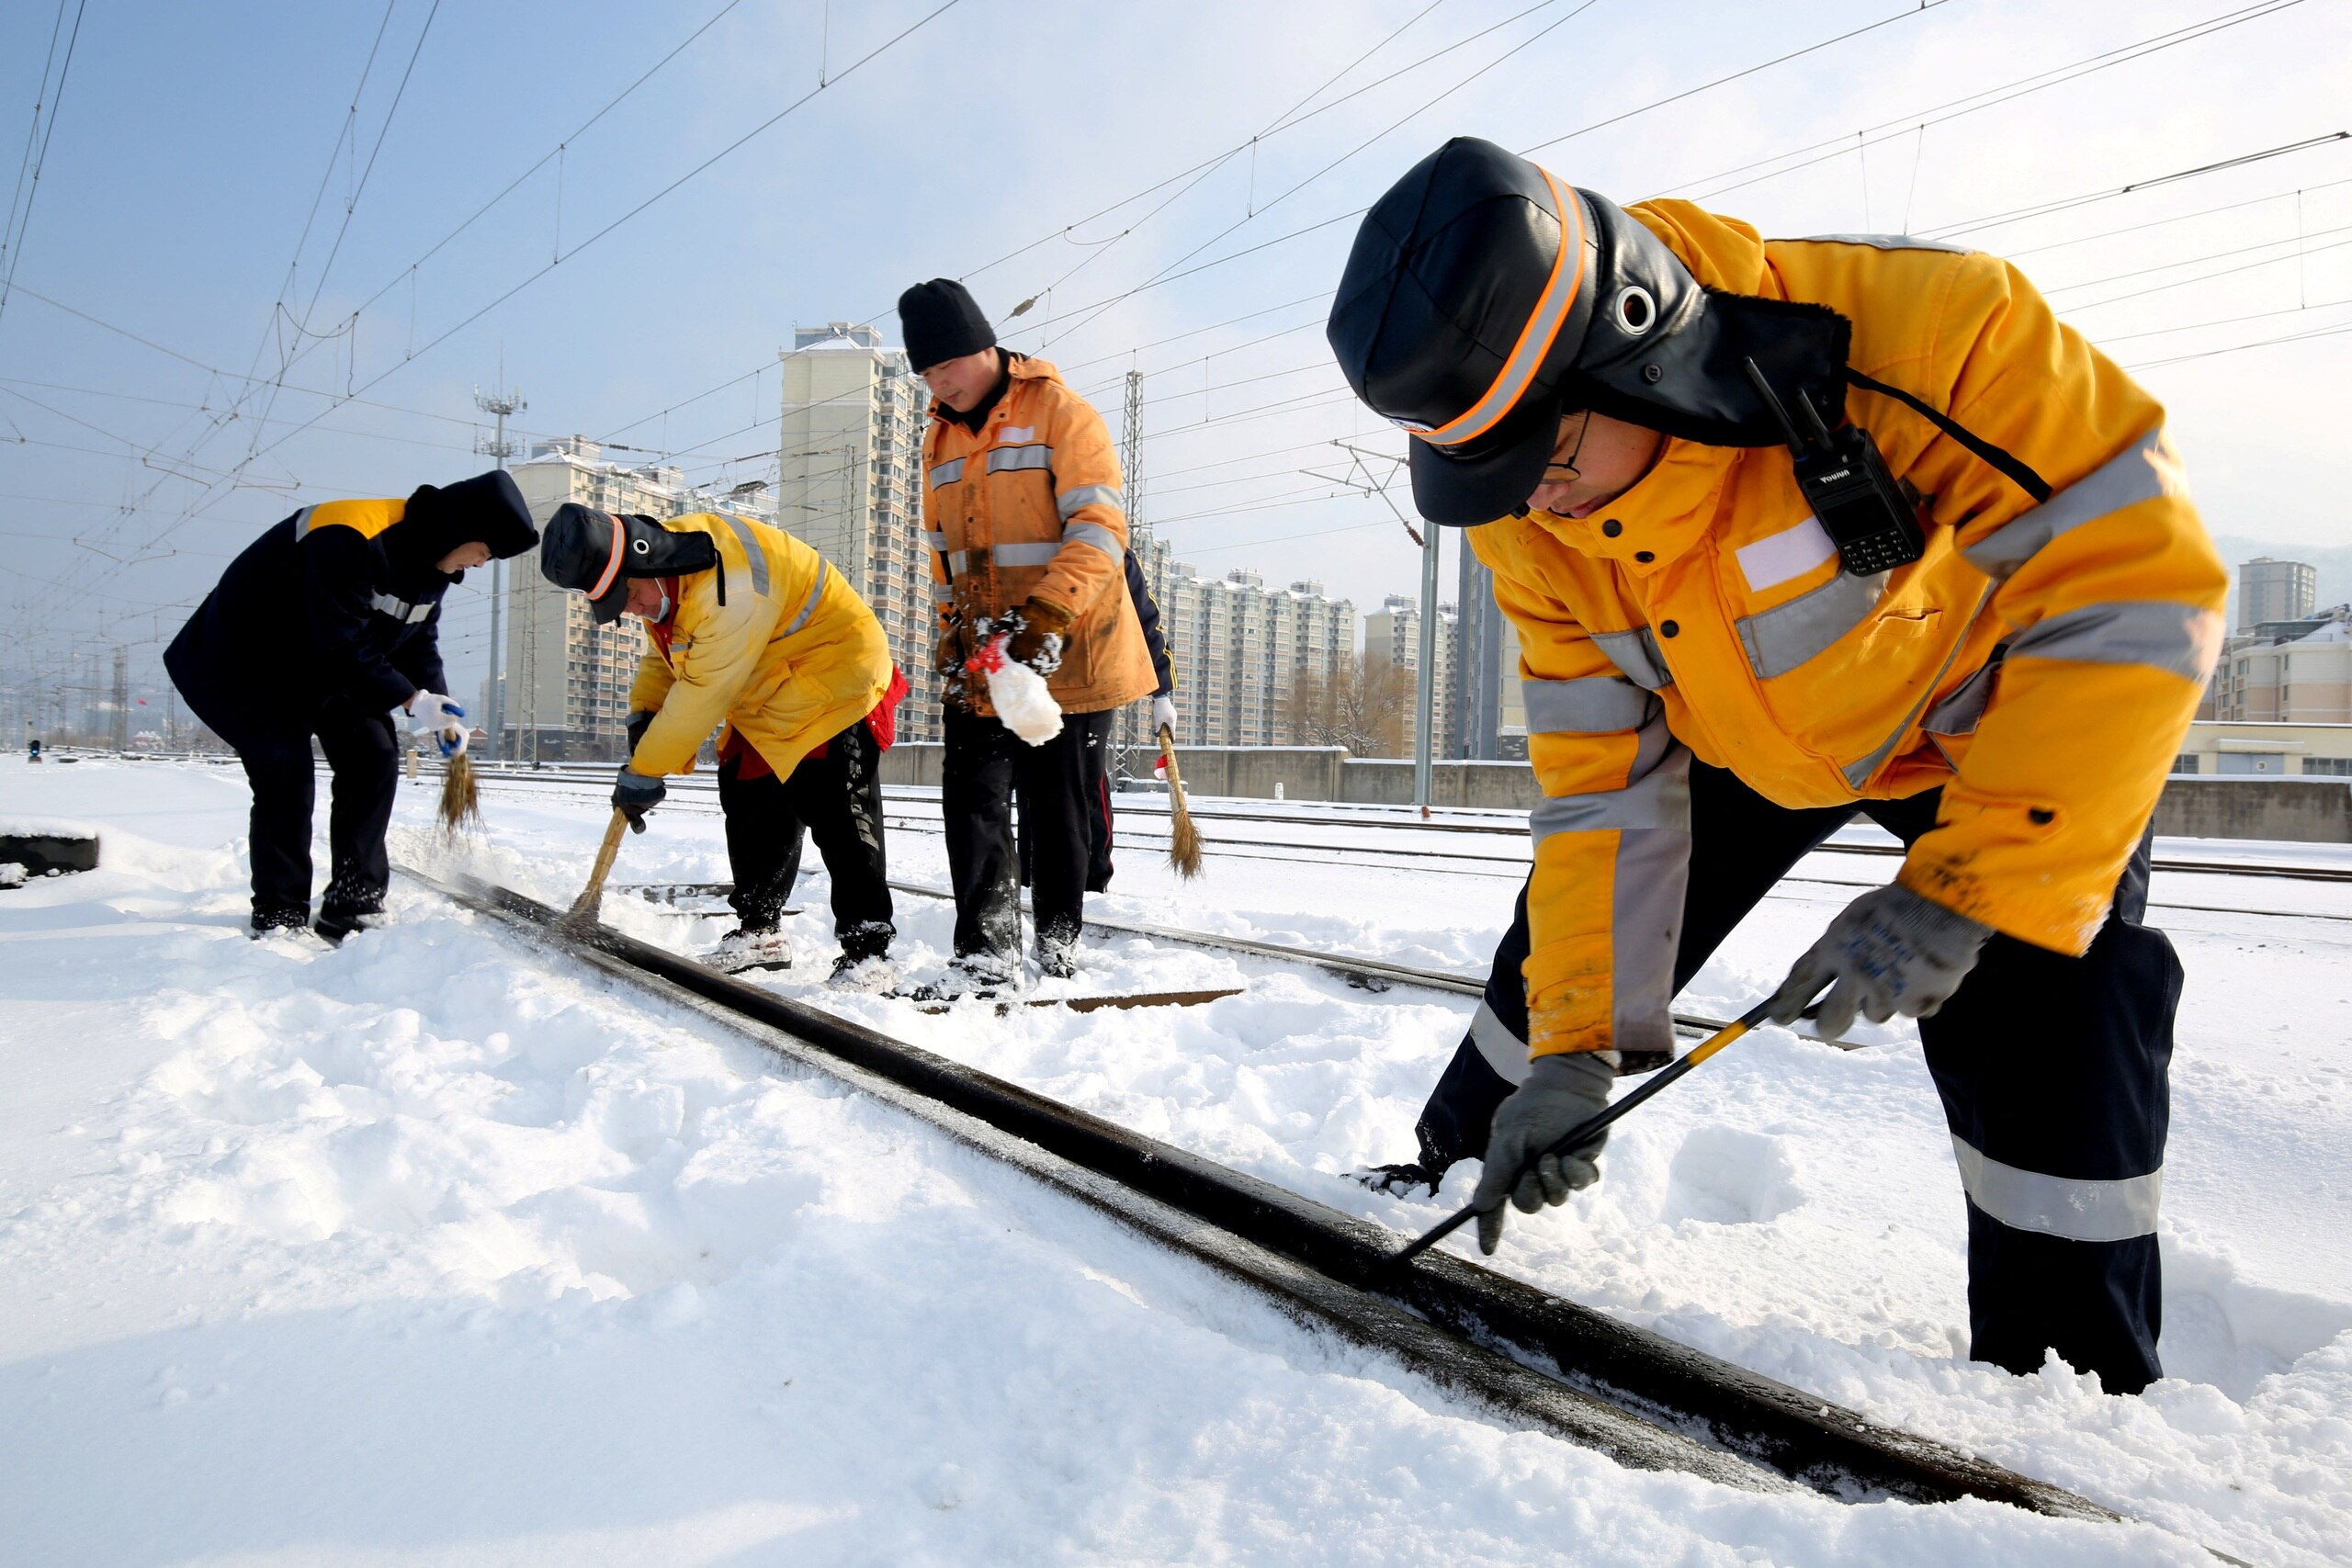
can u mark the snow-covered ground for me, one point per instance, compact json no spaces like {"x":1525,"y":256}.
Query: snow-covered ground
{"x":421,"y":1251}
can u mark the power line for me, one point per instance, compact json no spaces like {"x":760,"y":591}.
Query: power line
{"x":12,"y":244}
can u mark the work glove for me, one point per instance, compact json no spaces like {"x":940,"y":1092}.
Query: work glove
{"x":637,"y":723}
{"x":1889,"y":952}
{"x":1163,"y":714}
{"x":439,"y":719}
{"x":1562,"y":1091}
{"x":634,"y":795}
{"x":1036,"y":629}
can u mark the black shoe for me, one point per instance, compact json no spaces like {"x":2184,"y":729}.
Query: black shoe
{"x":861,"y":972}
{"x":269,"y":922}
{"x":1398,"y":1180}
{"x":336,"y":924}
{"x":1057,"y":963}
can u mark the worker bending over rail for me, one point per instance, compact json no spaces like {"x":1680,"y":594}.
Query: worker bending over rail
{"x":322,"y":626}
{"x":1792,"y":530}
{"x":748,"y":627}
{"x":1028,"y":533}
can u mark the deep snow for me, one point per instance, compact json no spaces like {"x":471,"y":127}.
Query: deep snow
{"x":421,"y":1251}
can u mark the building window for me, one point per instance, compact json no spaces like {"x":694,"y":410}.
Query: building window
{"x":2185,"y":763}
{"x":2329,"y":767}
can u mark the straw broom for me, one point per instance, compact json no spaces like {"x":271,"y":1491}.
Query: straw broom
{"x":1185,"y":840}
{"x":460,"y":794}
{"x":583,"y":912}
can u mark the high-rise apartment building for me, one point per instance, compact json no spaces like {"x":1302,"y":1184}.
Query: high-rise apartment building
{"x":567,"y":678}
{"x":1393,"y":635}
{"x":850,"y":482}
{"x":1490,"y":712}
{"x":1239,"y":647}
{"x":2275,"y":591}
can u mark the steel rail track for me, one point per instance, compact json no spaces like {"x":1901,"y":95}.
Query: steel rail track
{"x":1516,"y":829}
{"x":1644,"y":1400}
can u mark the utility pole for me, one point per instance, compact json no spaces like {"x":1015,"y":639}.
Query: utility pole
{"x":499,"y":447}
{"x":1135,"y":718}
{"x":122,"y":699}
{"x":1358,"y":478}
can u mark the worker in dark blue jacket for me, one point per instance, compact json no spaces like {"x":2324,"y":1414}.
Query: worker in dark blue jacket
{"x":322,"y":627}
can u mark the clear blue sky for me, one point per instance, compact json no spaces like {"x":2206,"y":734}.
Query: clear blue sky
{"x":191,"y":141}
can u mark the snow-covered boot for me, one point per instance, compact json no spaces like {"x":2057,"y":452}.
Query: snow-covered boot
{"x":872,"y":971}
{"x":1057,"y":960}
{"x":741,"y":949}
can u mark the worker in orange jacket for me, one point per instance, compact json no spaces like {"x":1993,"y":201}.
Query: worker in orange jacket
{"x":1792,"y":530}
{"x":1028,"y":533}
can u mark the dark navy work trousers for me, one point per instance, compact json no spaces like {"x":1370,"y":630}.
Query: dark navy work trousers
{"x":363,"y":753}
{"x":2052,"y":1071}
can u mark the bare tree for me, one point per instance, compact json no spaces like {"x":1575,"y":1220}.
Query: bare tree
{"x":1361,"y":707}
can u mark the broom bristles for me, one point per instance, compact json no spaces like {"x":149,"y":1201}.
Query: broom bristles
{"x":460,"y":794}
{"x":1184,"y":838}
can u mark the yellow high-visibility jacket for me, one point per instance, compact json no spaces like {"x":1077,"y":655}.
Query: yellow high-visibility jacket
{"x":1029,"y":505}
{"x":2040,"y":663}
{"x":791,"y":658}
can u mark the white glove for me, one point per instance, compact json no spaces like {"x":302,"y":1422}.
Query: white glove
{"x":439,"y":719}
{"x":1163,"y":714}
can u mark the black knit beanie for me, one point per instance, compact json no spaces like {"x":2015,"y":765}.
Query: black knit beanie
{"x":938,"y":321}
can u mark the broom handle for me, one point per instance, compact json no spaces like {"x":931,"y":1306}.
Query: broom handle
{"x":607,"y":852}
{"x":1175,"y":774}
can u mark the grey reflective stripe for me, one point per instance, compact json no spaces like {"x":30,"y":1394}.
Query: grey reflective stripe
{"x":1069,"y":501}
{"x":943,"y":592}
{"x":1658,"y":796}
{"x":808,"y":607}
{"x":947,"y":473}
{"x":759,"y":558}
{"x":1012,"y":459}
{"x":1597,"y":705}
{"x":1960,"y":713}
{"x":959,"y":561}
{"x":1026,"y":554}
{"x":1096,"y":535}
{"x":2076,"y":1209}
{"x":1780,"y":639}
{"x":2147,"y":470}
{"x":2180,"y":639}
{"x":1502,"y":1050}
{"x":1636,"y":653}
{"x":302,"y":521}
{"x":1645,"y":933}
{"x":936,"y":541}
{"x":1883,"y":243}
{"x":1859,"y":773}
{"x":399,"y":609}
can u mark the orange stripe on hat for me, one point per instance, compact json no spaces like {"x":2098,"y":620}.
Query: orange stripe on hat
{"x":612,"y":567}
{"x":1535,"y":339}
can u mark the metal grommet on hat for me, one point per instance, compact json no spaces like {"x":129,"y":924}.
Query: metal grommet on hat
{"x":1636,"y":311}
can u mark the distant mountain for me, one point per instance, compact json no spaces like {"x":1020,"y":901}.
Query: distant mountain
{"x":2334,"y":562}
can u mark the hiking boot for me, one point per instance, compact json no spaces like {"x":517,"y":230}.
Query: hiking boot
{"x":740,"y":950}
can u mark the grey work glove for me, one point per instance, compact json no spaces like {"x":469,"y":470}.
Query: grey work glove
{"x":1889,"y":952}
{"x":634,"y":795}
{"x":1561,"y":1093}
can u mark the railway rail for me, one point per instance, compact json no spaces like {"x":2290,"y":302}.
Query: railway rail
{"x":1640,"y":1398}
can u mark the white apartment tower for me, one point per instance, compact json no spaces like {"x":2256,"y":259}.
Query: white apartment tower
{"x":850,"y":482}
{"x":1239,"y":649}
{"x":1393,"y":634}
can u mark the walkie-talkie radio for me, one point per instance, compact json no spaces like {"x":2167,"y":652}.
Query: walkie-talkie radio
{"x":1871,"y":519}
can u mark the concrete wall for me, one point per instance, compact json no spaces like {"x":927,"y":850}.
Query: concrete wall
{"x":2311,"y":811}
{"x":2304,"y":811}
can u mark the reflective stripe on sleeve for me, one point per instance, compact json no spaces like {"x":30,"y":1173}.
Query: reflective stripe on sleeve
{"x":935,"y":540}
{"x":1025,"y":555}
{"x":1658,"y":795}
{"x":1015,"y":459}
{"x":943,"y":594}
{"x":758,"y":556}
{"x":302,"y":521}
{"x":399,"y":609}
{"x":2074,"y":1209}
{"x":1786,"y":636}
{"x":2145,"y":470}
{"x":1636,"y":653}
{"x":1069,"y":501}
{"x":947,"y":473}
{"x":959,"y":561}
{"x":2180,"y":639}
{"x":1596,"y":705}
{"x":808,"y":607}
{"x":1646,"y":891}
{"x":1497,"y":1047}
{"x":1096,"y":535}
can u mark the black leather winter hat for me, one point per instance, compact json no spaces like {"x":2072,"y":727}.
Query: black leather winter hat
{"x":940,"y":320}
{"x":1484,"y":299}
{"x":488,"y":507}
{"x":595,"y":553}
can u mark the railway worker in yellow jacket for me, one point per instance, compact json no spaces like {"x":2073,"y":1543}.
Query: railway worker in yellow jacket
{"x":1792,"y":530}
{"x":1028,"y":533}
{"x":751,"y":628}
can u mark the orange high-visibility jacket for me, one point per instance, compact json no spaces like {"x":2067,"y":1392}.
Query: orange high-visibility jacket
{"x":1029,"y":505}
{"x":791,"y":658}
{"x":2040,"y":663}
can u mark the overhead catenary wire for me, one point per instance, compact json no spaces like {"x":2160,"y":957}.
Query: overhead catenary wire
{"x":12,"y":238}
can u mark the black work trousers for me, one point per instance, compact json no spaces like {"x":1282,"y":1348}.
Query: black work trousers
{"x":1097,"y":795}
{"x":837,"y":799}
{"x":2053,"y":1073}
{"x":985,"y":764}
{"x":363,"y":753}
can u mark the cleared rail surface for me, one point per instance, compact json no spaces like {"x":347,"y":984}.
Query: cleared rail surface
{"x":1642,"y":1399}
